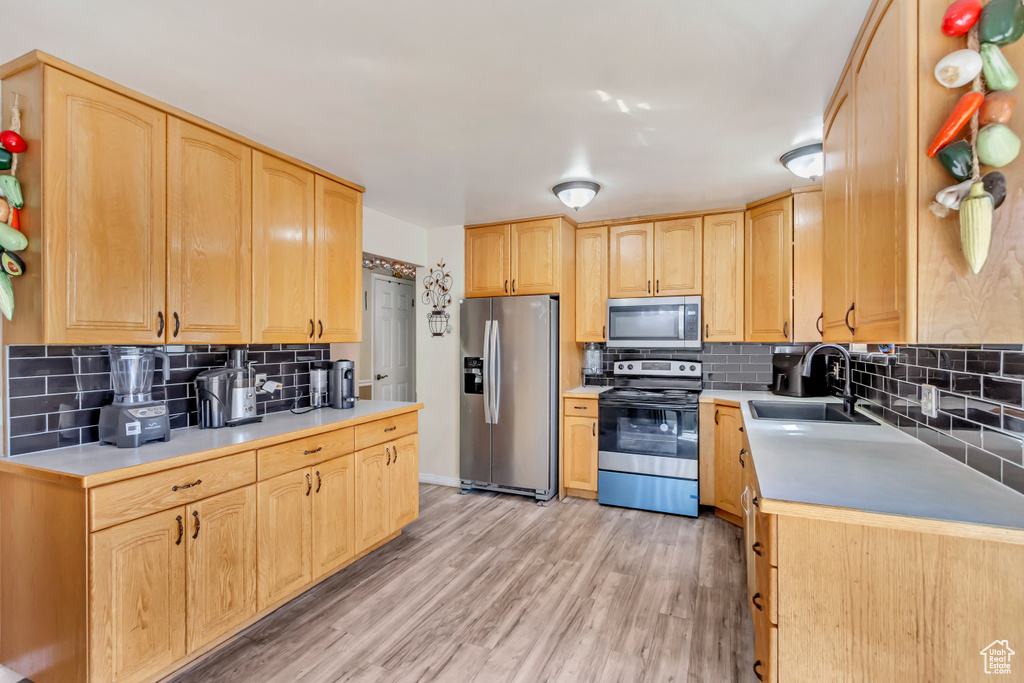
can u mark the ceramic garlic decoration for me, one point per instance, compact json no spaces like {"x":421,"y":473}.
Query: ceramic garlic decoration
{"x":951,"y":196}
{"x":976,"y":226}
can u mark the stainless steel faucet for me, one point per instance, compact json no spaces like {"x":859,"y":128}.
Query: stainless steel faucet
{"x":849,"y":400}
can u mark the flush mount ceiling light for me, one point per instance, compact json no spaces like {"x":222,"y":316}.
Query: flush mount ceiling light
{"x":806,"y":161}
{"x":576,"y":193}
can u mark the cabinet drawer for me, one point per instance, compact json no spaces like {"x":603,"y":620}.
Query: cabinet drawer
{"x":581,"y":407}
{"x":766,"y":580}
{"x":764,"y":533}
{"x":293,"y":455}
{"x":766,"y":649}
{"x":141,"y":496}
{"x":388,"y":429}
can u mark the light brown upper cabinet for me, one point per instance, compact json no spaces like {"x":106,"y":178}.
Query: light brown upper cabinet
{"x":838,"y":261}
{"x":678,"y":257}
{"x":807,"y":259}
{"x":209,"y":236}
{"x":769,"y":271}
{"x":283,"y":238}
{"x":631,"y":261}
{"x":591,"y":284}
{"x":723,"y":277}
{"x":103,"y":188}
{"x":488,"y":263}
{"x":517,"y":259}
{"x":339,"y":262}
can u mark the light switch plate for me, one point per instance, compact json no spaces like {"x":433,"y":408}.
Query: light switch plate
{"x":930,"y":400}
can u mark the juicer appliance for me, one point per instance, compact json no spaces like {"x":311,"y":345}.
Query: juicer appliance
{"x":227,"y":396}
{"x":134,"y":418}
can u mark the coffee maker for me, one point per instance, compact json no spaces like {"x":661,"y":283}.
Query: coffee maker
{"x":343,"y":384}
{"x":134,"y":418}
{"x":227,"y":396}
{"x":788,"y":380}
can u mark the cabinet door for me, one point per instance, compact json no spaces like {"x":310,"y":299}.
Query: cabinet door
{"x":339,"y":262}
{"x":404,"y":481}
{"x":838,"y":259}
{"x":282,"y":248}
{"x":581,"y":453}
{"x":723,"y":277}
{"x":885,"y":255}
{"x":334,"y":512}
{"x":104,"y":201}
{"x":488,"y":261}
{"x":373,"y":510}
{"x":285,"y":531}
{"x":536,"y":257}
{"x":807,"y":257}
{"x":221,"y":538}
{"x":769,"y":272}
{"x":209,"y":237}
{"x":631,"y":261}
{"x":137,"y":597}
{"x":591,"y":284}
{"x":678,"y":257}
{"x":729,"y":481}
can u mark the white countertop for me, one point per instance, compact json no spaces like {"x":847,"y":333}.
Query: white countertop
{"x":875,"y":468}
{"x":588,"y":390}
{"x":96,"y":458}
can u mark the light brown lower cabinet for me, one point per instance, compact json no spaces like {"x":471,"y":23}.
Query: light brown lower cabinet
{"x":387,"y":476}
{"x":334,"y":513}
{"x":580,"y":469}
{"x":729,"y":459}
{"x":286,"y":535}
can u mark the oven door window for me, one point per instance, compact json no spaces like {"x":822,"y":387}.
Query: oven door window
{"x":644,"y":323}
{"x":669,"y":433}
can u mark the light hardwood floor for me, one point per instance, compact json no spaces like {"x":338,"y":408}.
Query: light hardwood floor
{"x":492,"y":588}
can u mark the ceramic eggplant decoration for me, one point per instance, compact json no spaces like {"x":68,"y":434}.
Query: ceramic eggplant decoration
{"x":976,"y":226}
{"x":958,"y":68}
{"x":957,"y":159}
{"x":954,"y":194}
{"x":997,"y":107}
{"x":995,"y":185}
{"x":1001,"y":22}
{"x":999,"y":75}
{"x":997,"y":145}
{"x":960,"y":17}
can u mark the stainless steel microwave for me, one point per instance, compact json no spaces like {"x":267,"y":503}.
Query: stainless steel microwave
{"x":654,"y":323}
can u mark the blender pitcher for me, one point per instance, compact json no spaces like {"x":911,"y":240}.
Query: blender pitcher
{"x":131,"y":371}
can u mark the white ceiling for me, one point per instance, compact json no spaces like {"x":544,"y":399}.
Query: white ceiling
{"x":465,"y":111}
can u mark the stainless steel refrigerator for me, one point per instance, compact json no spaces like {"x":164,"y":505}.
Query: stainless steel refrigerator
{"x":509,"y":421}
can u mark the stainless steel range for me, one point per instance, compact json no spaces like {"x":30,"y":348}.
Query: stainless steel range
{"x":647,"y":448}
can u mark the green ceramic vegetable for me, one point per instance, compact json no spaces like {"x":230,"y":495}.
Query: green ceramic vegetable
{"x":999,"y":75}
{"x":997,"y":145}
{"x":11,"y":189}
{"x":5,"y":159}
{"x":6,"y":296}
{"x":11,"y":263}
{"x":11,"y":239}
{"x":1001,"y":22}
{"x":956,"y":158}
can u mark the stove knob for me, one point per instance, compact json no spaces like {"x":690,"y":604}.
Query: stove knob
{"x":629,"y":367}
{"x":692,"y":368}
{"x":681,"y":368}
{"x":621,"y":366}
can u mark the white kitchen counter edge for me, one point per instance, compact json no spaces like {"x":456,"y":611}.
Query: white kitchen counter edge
{"x":94,"y":458}
{"x":876,"y":469}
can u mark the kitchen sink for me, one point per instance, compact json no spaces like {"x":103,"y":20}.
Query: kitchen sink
{"x":806,"y":412}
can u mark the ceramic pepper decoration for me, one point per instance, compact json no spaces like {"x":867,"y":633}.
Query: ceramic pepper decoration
{"x":11,"y":202}
{"x":960,"y":17}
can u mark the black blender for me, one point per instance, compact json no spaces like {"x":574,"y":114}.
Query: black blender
{"x":134,"y":418}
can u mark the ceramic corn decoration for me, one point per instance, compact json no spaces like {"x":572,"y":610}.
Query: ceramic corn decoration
{"x":976,"y":226}
{"x":981,"y":116}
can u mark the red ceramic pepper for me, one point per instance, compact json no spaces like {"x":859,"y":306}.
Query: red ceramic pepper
{"x":960,"y":17}
{"x":15,"y":221}
{"x":13,"y":142}
{"x":962,"y":113}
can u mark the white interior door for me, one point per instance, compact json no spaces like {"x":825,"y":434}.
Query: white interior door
{"x":394,"y":340}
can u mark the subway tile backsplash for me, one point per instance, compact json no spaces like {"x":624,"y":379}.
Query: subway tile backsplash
{"x":54,"y":393}
{"x":981,"y":394}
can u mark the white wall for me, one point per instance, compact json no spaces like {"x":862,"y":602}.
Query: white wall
{"x":437,"y":365}
{"x":394,"y":238}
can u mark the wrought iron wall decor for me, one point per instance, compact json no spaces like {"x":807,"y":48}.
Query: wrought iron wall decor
{"x":436,"y":295}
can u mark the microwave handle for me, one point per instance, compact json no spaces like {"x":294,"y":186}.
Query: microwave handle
{"x":682,"y":322}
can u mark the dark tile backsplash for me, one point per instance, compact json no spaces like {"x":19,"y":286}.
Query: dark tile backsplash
{"x":54,"y":392}
{"x":981,"y":394}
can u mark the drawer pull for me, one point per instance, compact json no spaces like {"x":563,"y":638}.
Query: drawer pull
{"x":742,"y":463}
{"x":759,"y":606}
{"x":388,"y":449}
{"x":757,"y":548}
{"x":757,"y":504}
{"x":195,"y":513}
{"x":181,"y":531}
{"x":716,"y":416}
{"x":390,"y":429}
{"x":318,"y":482}
{"x":197,"y":482}
{"x":315,"y":450}
{"x":581,"y":407}
{"x":757,"y":673}
{"x":309,"y":484}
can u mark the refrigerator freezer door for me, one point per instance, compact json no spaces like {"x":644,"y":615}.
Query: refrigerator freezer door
{"x":525,"y":417}
{"x":474,"y":432}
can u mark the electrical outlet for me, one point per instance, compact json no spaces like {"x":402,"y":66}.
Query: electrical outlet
{"x":930,"y":400}
{"x":260,"y":379}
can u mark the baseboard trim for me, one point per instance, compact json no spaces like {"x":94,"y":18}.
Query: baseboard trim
{"x":454,"y":482}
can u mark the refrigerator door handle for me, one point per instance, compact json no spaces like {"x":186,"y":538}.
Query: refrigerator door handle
{"x":495,"y":371}
{"x":487,"y":372}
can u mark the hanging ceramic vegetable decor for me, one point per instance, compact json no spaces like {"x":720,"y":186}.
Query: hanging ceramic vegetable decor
{"x":977,"y":132}
{"x":11,"y":203}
